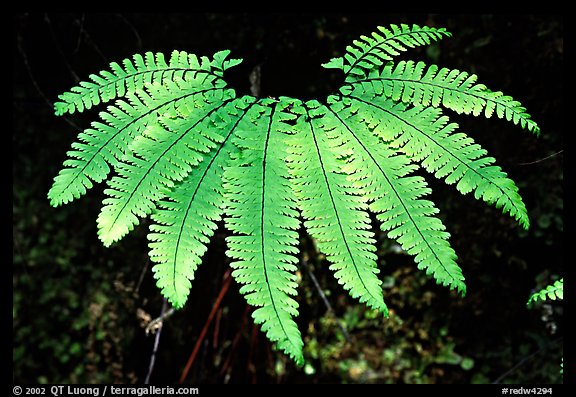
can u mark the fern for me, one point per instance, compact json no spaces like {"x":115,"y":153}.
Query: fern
{"x":427,"y":137}
{"x":188,"y":152}
{"x":453,"y":89}
{"x":104,"y":145}
{"x":383,"y":176}
{"x":553,"y":291}
{"x":158,"y":158}
{"x":368,"y":53}
{"x":335,"y":214}
{"x":261,"y":210}
{"x":136,"y":73}
{"x":186,"y":218}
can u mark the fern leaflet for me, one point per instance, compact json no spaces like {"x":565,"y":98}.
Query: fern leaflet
{"x":553,"y":291}
{"x":137,"y":73}
{"x":335,"y":214}
{"x":260,"y":210}
{"x":105,"y":144}
{"x":157,"y":159}
{"x":453,"y":89}
{"x":383,"y":177}
{"x":371,"y":52}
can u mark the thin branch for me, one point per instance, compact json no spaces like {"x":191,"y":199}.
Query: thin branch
{"x":142,"y":274}
{"x":525,"y":359}
{"x":157,"y":322}
{"x":89,"y":40}
{"x":223,"y":290}
{"x":80,"y":30}
{"x":59,"y":48}
{"x":131,"y":27}
{"x":226,"y":366}
{"x":541,"y":160}
{"x":325,"y":300}
{"x":156,"y":342}
{"x":22,"y":53}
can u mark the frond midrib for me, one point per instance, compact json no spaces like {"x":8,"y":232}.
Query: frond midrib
{"x":268,"y":132}
{"x":133,"y":75}
{"x":336,"y":211}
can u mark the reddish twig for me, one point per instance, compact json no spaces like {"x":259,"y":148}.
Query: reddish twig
{"x":237,"y":337}
{"x":216,"y":329}
{"x":223,"y":290}
{"x":253,"y":345}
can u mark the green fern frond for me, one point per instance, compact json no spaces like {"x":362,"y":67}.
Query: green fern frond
{"x":553,"y":291}
{"x":185,"y":219}
{"x":188,"y":152}
{"x":383,"y":176}
{"x":261,"y":212}
{"x":427,"y":137}
{"x":409,"y":82}
{"x":371,"y":52}
{"x":335,"y":214}
{"x":134,"y":74}
{"x":106,"y":143}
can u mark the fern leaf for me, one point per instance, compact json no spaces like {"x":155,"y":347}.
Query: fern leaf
{"x":412,"y":83}
{"x":190,"y":153}
{"x":134,"y":74}
{"x":336,"y":216}
{"x":185,"y":219}
{"x":382,"y":175}
{"x":159,"y":157}
{"x":554,"y":291}
{"x":371,"y":52}
{"x":105,"y":144}
{"x":261,"y":213}
{"x":427,"y":137}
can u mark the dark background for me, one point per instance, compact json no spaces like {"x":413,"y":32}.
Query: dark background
{"x":79,"y":310}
